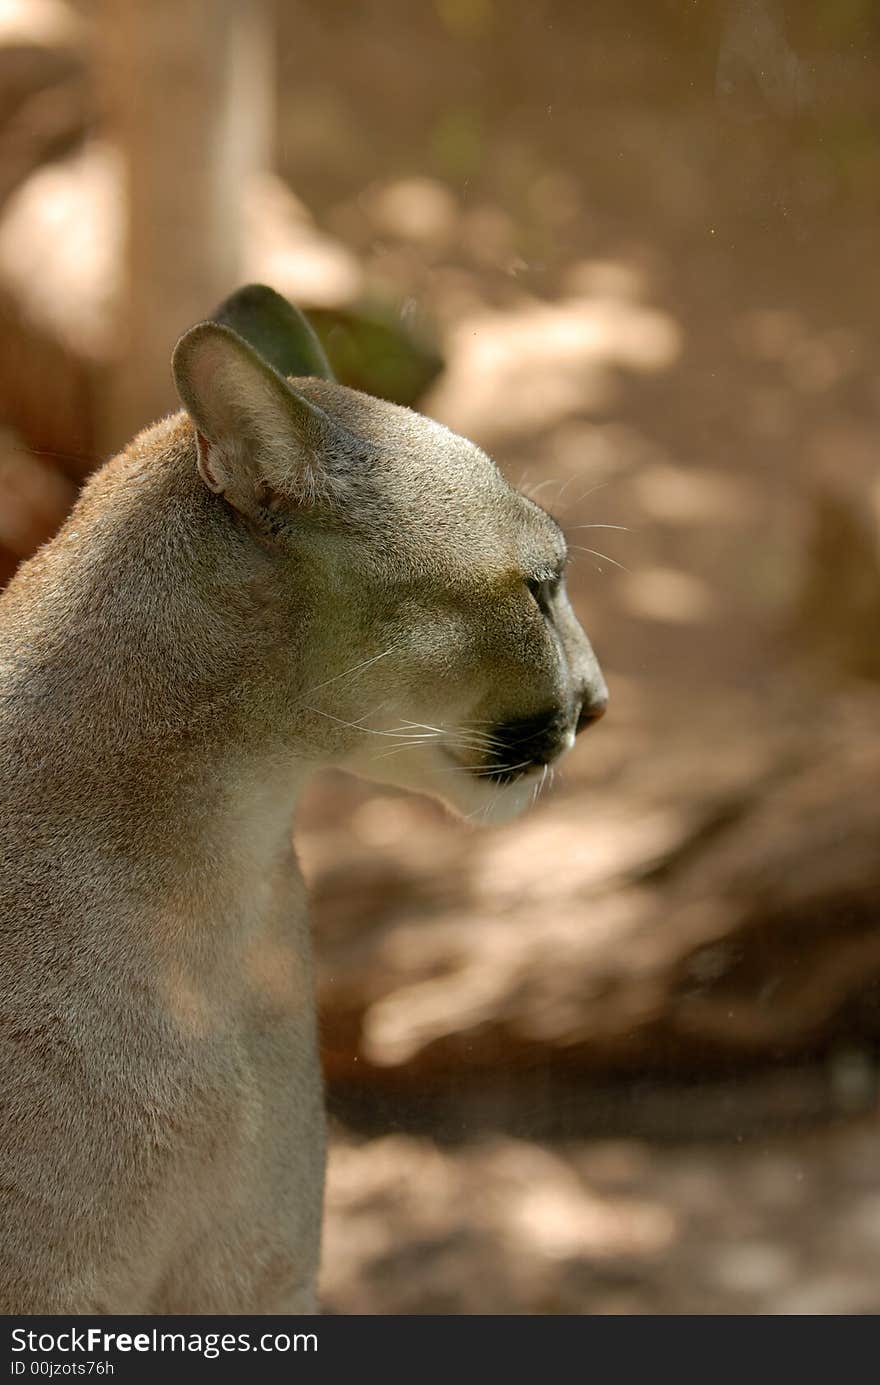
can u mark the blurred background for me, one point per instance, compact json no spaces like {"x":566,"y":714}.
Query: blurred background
{"x":621,"y":1056}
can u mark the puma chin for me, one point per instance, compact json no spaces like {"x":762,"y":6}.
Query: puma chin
{"x":491,"y":775}
{"x":490,"y":767}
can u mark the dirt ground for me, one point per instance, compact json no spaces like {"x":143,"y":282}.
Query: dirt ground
{"x":786,"y":1226}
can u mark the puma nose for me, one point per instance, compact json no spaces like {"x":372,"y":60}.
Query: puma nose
{"x":593,"y":707}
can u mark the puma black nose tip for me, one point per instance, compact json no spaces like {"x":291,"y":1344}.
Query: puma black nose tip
{"x":591,"y":711}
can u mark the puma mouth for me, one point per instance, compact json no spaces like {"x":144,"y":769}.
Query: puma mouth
{"x":512,"y":774}
{"x":489,"y":772}
{"x":527,"y":745}
{"x":526,"y":749}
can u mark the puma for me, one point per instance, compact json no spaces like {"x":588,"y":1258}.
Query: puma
{"x":286,"y":575}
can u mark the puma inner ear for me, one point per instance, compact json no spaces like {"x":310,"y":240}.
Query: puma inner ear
{"x":257,"y":437}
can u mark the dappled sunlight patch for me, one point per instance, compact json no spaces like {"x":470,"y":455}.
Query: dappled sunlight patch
{"x":363,"y":1174}
{"x":587,"y":852}
{"x":532,"y":366}
{"x":543,"y":1204}
{"x":485,"y":969}
{"x":421,"y":210}
{"x":665,"y":594}
{"x":562,"y":1222}
{"x":284,"y":248}
{"x":46,"y":21}
{"x":61,"y":238}
{"x":687,"y":495}
{"x":400,"y":1024}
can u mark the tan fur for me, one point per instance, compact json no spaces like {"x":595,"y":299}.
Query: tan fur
{"x":223,"y":613}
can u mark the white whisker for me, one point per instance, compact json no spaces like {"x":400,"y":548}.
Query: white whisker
{"x":604,"y":556}
{"x":345,"y":673}
{"x":440,"y":730}
{"x":591,"y":491}
{"x":532,"y":491}
{"x":564,"y":487}
{"x":352,"y":725}
{"x":623,"y":527}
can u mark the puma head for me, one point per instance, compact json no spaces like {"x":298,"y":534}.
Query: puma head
{"x":437,"y":647}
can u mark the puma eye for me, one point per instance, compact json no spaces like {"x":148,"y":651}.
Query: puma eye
{"x":535,"y":586}
{"x":543,"y":589}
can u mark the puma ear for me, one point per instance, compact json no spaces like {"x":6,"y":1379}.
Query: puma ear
{"x":274,"y":328}
{"x":258,"y":439}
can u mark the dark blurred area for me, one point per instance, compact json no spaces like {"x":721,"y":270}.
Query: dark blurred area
{"x":621,"y":1056}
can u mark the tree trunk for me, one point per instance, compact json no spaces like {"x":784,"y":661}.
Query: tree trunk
{"x":188,"y":92}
